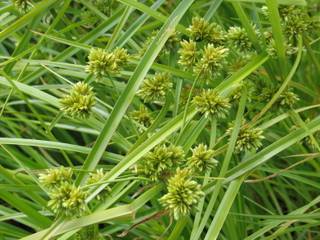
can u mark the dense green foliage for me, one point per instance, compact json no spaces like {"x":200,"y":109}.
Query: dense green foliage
{"x":163,"y":119}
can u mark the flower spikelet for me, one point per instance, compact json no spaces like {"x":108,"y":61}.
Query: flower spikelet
{"x":183,"y":194}
{"x":188,"y":53}
{"x":67,"y":200}
{"x":156,"y":88}
{"x":158,"y":163}
{"x":55,"y":177}
{"x":249,"y":138}
{"x":212,"y":60}
{"x":79,"y":102}
{"x":210,"y":103}
{"x":202,"y":159}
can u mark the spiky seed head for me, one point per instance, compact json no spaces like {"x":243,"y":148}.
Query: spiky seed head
{"x":96,"y":176}
{"x":102,"y":63}
{"x":238,"y":37}
{"x":210,"y":103}
{"x":188,"y":53}
{"x":156,"y":88}
{"x":121,"y":57}
{"x":295,"y":21}
{"x":67,"y":200}
{"x":79,"y":102}
{"x":217,"y":35}
{"x":183,"y":194}
{"x":200,"y":29}
{"x":159,"y":163}
{"x":249,"y":138}
{"x":142,"y":116}
{"x":202,"y":159}
{"x":288,"y":98}
{"x":212,"y":60}
{"x":55,"y":177}
{"x":238,"y":91}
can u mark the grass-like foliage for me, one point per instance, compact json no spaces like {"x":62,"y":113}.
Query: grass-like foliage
{"x":162,"y":119}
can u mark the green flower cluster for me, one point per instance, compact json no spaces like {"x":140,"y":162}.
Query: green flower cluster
{"x":210,"y":103}
{"x":202,"y":159}
{"x":271,"y":46}
{"x":188,"y":53}
{"x":55,"y":177}
{"x":238,"y":37}
{"x":164,"y":163}
{"x":79,"y":102}
{"x":183,"y":193}
{"x":102,"y":63}
{"x":158,"y":164}
{"x":212,"y":60}
{"x":202,"y":30}
{"x":155,"y":89}
{"x":295,"y":21}
{"x":142,"y":116}
{"x":249,"y":138}
{"x":65,"y":198}
{"x":288,"y":98}
{"x":204,"y":52}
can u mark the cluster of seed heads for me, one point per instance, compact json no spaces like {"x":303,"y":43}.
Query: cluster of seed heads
{"x":208,"y":58}
{"x":65,"y":198}
{"x":202,"y":159}
{"x":158,"y":164}
{"x":155,"y":89}
{"x":205,"y":53}
{"x":142,"y":116}
{"x":165,"y":163}
{"x":210,"y":103}
{"x":183,"y":193}
{"x":249,"y":138}
{"x":102,"y":63}
{"x":79,"y":102}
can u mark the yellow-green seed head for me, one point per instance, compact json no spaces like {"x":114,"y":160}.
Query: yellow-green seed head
{"x":238,"y":38}
{"x":249,"y":138}
{"x":202,"y":159}
{"x":102,"y":63}
{"x":142,"y":116}
{"x":188,"y":53}
{"x":212,"y":60}
{"x":159,"y":163}
{"x":183,"y":194}
{"x":210,"y":103}
{"x":55,"y":177}
{"x":200,"y":29}
{"x":155,"y":89}
{"x":79,"y":102}
{"x":67,"y":200}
